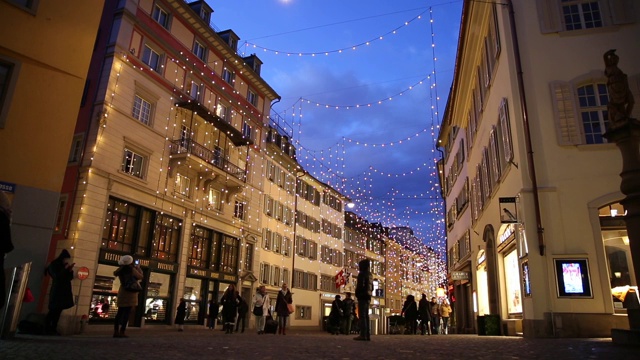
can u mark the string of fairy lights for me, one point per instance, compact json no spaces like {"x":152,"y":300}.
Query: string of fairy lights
{"x":330,"y":165}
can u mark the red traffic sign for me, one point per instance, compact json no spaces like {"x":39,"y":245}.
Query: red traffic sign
{"x":83,"y":273}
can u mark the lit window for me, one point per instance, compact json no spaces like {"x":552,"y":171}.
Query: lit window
{"x":223,"y":112}
{"x":141,"y":110}
{"x":238,"y":210}
{"x":161,"y":16}
{"x":214,"y":199}
{"x":580,"y":14}
{"x":195,"y":91}
{"x":133,"y":163}
{"x":593,"y":100}
{"x":183,"y":184}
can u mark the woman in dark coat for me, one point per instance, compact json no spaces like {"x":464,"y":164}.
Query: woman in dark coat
{"x":181,"y":313}
{"x":61,"y":295}
{"x":335,"y":316}
{"x":229,"y":303}
{"x":410,"y":312}
{"x":424,"y":310}
{"x":284,"y":298}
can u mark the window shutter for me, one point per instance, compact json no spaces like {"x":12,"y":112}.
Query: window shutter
{"x":622,"y":11}
{"x":549,"y":16}
{"x":565,"y":115}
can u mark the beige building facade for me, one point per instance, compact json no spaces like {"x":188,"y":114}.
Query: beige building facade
{"x":531,"y":186}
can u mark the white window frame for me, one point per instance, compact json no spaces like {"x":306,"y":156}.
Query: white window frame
{"x":142,"y":109}
{"x":228,"y":76}
{"x":593,"y":113}
{"x":239,"y":210}
{"x":151,"y":57}
{"x":157,"y":16}
{"x":200,"y":50}
{"x":214,"y":199}
{"x":128,"y":163}
{"x":579,"y":6}
{"x":252,"y":97}
{"x":182,"y":185}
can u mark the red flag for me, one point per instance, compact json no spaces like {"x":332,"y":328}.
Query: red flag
{"x":340,"y":279}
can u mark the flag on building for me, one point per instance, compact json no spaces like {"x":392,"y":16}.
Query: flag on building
{"x":340,"y":279}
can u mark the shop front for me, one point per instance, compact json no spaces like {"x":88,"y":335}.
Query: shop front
{"x":511,"y":278}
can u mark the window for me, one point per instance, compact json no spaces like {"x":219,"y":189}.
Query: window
{"x":214,"y":199}
{"x":183,"y":184}
{"x":230,"y":248}
{"x":199,"y":247}
{"x":238,"y":210}
{"x":580,"y":14}
{"x":247,"y":131}
{"x":62,"y":205}
{"x":151,"y":58}
{"x":252,"y":98}
{"x":8,"y":79}
{"x":76,"y":149}
{"x":556,"y":16}
{"x":222,"y":111}
{"x":141,"y":110}
{"x":265,"y":273}
{"x":199,"y":50}
{"x":133,"y":163}
{"x":195,"y":90}
{"x":267,"y":239}
{"x":166,"y":236}
{"x":228,"y":76}
{"x":161,"y":16}
{"x":248,"y":257}
{"x":593,"y":100}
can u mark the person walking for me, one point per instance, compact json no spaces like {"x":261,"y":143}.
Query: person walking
{"x":364,"y":290}
{"x":445,"y":312}
{"x":6,"y":246}
{"x":335,"y":316}
{"x":260,"y":305}
{"x":61,"y":295}
{"x":425,"y":315}
{"x":435,"y":316}
{"x":213,"y":313}
{"x":283,"y":301}
{"x":127,"y":299}
{"x":181,"y":314}
{"x":348,"y":312}
{"x":229,"y":303}
{"x":243,"y":309}
{"x":410,"y":313}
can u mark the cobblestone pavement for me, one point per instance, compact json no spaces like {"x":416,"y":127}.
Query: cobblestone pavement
{"x":168,"y":343}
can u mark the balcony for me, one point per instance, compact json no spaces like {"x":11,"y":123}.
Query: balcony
{"x":221,"y":124}
{"x":182,"y":148}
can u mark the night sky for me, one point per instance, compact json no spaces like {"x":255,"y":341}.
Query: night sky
{"x":359,"y":82}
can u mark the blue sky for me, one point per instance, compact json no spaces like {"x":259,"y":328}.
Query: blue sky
{"x":332,"y":141}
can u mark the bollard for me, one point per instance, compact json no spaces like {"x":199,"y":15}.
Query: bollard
{"x":83,"y":323}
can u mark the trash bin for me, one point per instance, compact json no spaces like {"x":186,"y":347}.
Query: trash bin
{"x":492,"y":324}
{"x":481,"y":325}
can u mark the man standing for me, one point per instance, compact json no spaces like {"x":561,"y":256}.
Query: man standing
{"x":243,"y":309}
{"x":425,"y":315}
{"x":364,"y":289}
{"x":435,"y":316}
{"x":348,"y":310}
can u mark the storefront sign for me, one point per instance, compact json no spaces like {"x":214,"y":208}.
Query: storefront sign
{"x":7,"y":187}
{"x":508,"y":210}
{"x":459,"y":275}
{"x":482,"y":257}
{"x":506,"y":235}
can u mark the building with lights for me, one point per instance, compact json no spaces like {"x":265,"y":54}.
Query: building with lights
{"x":166,"y":163}
{"x":41,"y":89}
{"x":531,"y":185}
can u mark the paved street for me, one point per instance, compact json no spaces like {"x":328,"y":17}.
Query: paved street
{"x":194,"y":343}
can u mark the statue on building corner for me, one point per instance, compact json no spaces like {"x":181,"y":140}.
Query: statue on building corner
{"x":620,"y":97}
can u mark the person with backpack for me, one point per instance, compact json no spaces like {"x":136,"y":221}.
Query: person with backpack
{"x":410,"y":313}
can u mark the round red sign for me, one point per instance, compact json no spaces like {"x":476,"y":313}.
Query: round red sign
{"x":83,"y":273}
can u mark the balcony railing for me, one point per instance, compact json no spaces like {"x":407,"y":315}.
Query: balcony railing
{"x":188,"y":146}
